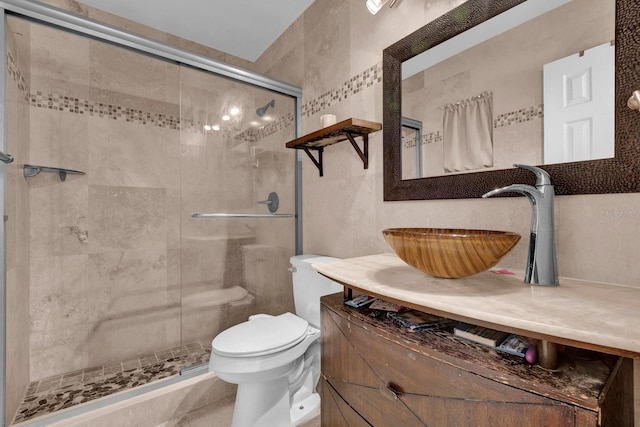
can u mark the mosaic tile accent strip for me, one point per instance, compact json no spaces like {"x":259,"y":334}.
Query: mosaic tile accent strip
{"x":17,"y":76}
{"x":431,"y":137}
{"x":367,"y":78}
{"x":48,"y":395}
{"x":427,"y":138}
{"x":256,"y":134}
{"x":409,"y":142}
{"x":71,"y":104}
{"x":520,"y":116}
{"x":65,"y":103}
{"x":74,"y":105}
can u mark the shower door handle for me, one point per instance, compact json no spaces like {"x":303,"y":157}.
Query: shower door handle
{"x":6,"y":158}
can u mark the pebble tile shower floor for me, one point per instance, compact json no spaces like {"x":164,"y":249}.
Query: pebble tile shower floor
{"x":49,"y":395}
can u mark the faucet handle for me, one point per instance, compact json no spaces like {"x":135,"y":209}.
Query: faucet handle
{"x":542,"y":177}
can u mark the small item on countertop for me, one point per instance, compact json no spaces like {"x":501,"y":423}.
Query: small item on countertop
{"x":360,"y":301}
{"x":503,"y":271}
{"x":531,"y":355}
{"x":514,"y":344}
{"x":383,"y":305}
{"x":480,"y":334}
{"x":416,"y":320}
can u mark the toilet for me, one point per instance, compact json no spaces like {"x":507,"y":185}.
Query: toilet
{"x":275,"y":360}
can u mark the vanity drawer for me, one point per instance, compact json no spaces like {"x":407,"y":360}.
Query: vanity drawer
{"x":374,"y":361}
{"x":336,"y":412}
{"x":389,"y":379}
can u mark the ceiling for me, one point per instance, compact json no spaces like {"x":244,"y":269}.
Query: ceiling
{"x":244,"y":28}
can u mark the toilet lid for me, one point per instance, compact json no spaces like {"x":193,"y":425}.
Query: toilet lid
{"x":261,"y":336}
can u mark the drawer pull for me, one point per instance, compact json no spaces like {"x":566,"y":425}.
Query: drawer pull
{"x":389,"y":392}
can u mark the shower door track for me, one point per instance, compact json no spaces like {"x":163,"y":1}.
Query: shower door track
{"x":42,"y":13}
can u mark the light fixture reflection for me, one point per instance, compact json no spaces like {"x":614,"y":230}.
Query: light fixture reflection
{"x":226,"y":117}
{"x":375,"y":5}
{"x":234,"y":111}
{"x":215,"y":127}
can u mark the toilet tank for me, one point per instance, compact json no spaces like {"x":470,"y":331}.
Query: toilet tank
{"x":309,"y":286}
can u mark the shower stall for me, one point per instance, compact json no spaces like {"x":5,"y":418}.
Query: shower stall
{"x":110,"y":281}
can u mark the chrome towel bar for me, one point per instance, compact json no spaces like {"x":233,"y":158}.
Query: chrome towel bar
{"x":240,"y":215}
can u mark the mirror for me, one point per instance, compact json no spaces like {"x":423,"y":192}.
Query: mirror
{"x":609,"y":175}
{"x":540,"y":77}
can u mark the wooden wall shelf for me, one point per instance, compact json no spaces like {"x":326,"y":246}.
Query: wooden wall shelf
{"x":342,"y":131}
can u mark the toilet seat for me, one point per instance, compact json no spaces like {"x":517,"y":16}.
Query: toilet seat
{"x":261,"y":336}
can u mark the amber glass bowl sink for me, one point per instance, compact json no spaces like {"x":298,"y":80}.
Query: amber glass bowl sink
{"x":450,"y":253}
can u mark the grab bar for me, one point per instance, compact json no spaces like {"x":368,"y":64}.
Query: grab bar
{"x":240,"y":215}
{"x":33,"y":170}
{"x":6,"y":158}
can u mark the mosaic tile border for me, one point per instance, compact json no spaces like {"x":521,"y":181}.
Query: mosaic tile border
{"x":16,"y":75}
{"x":431,"y":137}
{"x":74,"y":105}
{"x":65,"y":103}
{"x":71,"y":104}
{"x":356,"y":84}
{"x":51,"y":394}
{"x":427,"y":138}
{"x":519,"y":116}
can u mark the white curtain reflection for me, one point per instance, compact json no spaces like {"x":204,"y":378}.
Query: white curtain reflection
{"x":468,"y":133}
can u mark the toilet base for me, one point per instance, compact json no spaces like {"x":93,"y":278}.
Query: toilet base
{"x":305,"y":409}
{"x":286,"y":401}
{"x":269,"y":405}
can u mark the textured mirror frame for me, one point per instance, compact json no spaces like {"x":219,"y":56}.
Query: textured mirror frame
{"x":620,"y":174}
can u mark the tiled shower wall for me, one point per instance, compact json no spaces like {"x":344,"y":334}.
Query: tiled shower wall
{"x":111,"y":254}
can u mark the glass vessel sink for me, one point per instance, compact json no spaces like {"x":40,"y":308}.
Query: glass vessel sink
{"x":450,"y":253}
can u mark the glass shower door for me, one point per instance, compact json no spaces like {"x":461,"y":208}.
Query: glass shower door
{"x":232,"y":159}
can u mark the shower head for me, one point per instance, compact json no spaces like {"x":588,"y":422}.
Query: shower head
{"x":262,"y":110}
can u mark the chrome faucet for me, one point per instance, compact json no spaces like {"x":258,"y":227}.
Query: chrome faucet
{"x":542,"y":265}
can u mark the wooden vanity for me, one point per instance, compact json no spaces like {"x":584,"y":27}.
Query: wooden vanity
{"x":375,"y":372}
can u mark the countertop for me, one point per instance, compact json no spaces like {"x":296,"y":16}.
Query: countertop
{"x":598,"y":316}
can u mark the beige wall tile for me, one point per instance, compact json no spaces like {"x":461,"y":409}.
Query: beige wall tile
{"x":56,"y":68}
{"x":59,"y":223}
{"x":128,"y":154}
{"x":126,"y":218}
{"x":59,"y":139}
